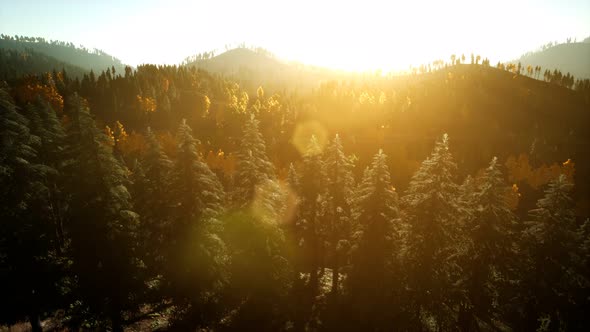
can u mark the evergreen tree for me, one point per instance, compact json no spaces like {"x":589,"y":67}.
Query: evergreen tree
{"x":29,"y":261}
{"x":336,"y":228}
{"x":293,"y":179}
{"x":195,"y":256}
{"x":489,"y":226}
{"x":431,"y":212}
{"x":376,"y":247}
{"x":100,"y":216}
{"x":260,"y":272}
{"x":253,"y":142}
{"x":45,"y":125}
{"x":307,"y":235}
{"x":311,"y":186}
{"x":152,"y":189}
{"x":259,"y":269}
{"x":255,"y":177}
{"x":555,"y":280}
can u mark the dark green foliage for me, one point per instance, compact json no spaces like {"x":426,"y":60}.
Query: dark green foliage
{"x":337,"y":224}
{"x":195,"y":254}
{"x":260,"y":274}
{"x":296,"y":246}
{"x":490,"y":227}
{"x":100,"y":215}
{"x":253,"y":168}
{"x":15,"y":64}
{"x":152,"y":177}
{"x":431,"y":212}
{"x":311,"y":187}
{"x":375,"y":265}
{"x":30,"y":266}
{"x":555,"y":274}
{"x":76,"y":56}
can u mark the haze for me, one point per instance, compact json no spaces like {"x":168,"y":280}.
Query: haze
{"x":346,"y":35}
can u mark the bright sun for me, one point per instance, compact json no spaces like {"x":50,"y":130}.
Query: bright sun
{"x":347,"y":35}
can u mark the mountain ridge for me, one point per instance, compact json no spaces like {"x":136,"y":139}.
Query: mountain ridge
{"x":572,"y":57}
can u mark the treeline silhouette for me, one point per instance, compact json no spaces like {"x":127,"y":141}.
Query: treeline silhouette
{"x":170,"y":192}
{"x":15,"y":64}
{"x":76,"y":56}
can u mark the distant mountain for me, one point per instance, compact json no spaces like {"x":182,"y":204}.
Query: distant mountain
{"x":17,"y":63}
{"x":252,"y":68}
{"x":96,"y":60}
{"x":573,"y":58}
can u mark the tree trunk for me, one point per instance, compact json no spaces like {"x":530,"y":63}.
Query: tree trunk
{"x":35,"y":322}
{"x":116,"y":321}
{"x":335,"y":275}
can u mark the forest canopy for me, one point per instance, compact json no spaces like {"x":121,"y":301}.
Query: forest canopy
{"x":455,"y":197}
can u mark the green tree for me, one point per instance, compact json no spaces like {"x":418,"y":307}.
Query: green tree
{"x":253,"y":167}
{"x":556,"y":284}
{"x":431,"y":212}
{"x":490,"y":226}
{"x":100,"y":216}
{"x":311,"y":187}
{"x":336,"y":212}
{"x":195,"y":257}
{"x":152,"y":186}
{"x":29,"y":247}
{"x":375,"y":266}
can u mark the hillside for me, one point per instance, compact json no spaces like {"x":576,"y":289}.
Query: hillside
{"x":205,"y":193}
{"x":251,"y":69}
{"x":568,"y":57}
{"x":18,"y":63}
{"x":66,"y":52}
{"x":486,"y":111}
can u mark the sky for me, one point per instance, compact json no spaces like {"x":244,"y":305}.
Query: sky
{"x":352,"y":35}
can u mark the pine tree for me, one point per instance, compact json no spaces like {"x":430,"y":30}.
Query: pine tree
{"x":306,"y":233}
{"x":29,"y":261}
{"x":293,"y":179}
{"x":376,"y":244}
{"x":311,"y":186}
{"x":101,"y":223}
{"x":195,"y":257}
{"x":259,"y":268}
{"x":555,"y":279}
{"x":45,"y":125}
{"x":152,"y":188}
{"x":253,"y":167}
{"x":489,"y":226}
{"x":260,"y":272}
{"x":336,"y":212}
{"x":431,"y":212}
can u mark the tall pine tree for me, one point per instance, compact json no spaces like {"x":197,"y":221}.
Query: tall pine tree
{"x":253,"y":167}
{"x":153,"y":200}
{"x":557,"y":287}
{"x":101,"y":223}
{"x":376,"y":246}
{"x":336,"y":212}
{"x":490,"y":227}
{"x":29,"y":247}
{"x":195,"y":255}
{"x":431,"y":211}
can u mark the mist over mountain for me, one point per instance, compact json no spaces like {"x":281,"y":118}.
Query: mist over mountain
{"x":254,"y":67}
{"x":67,"y":52}
{"x":570,"y":57}
{"x":15,"y":64}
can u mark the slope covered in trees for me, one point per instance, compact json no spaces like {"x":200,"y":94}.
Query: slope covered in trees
{"x":15,"y":64}
{"x":570,"y":57}
{"x":251,"y":68}
{"x":456,"y":199}
{"x":81,"y":57}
